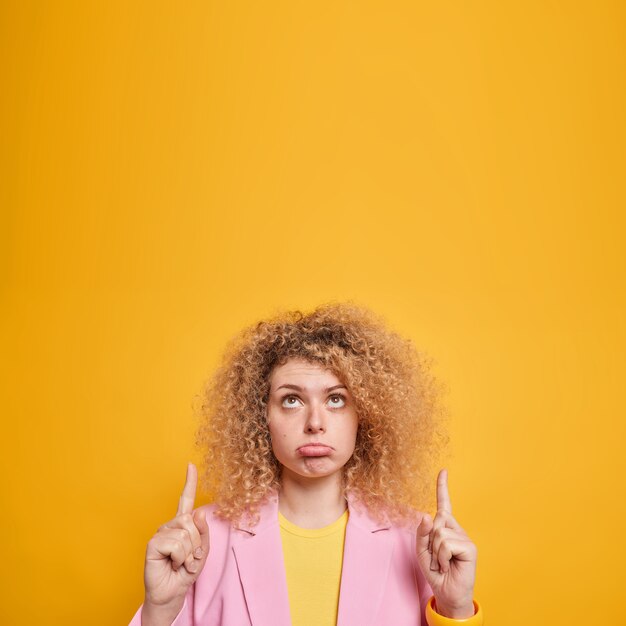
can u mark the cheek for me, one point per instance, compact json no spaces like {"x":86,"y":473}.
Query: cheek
{"x":278,"y":435}
{"x":354,"y":430}
{"x":278,"y":432}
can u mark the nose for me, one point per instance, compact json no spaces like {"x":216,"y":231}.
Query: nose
{"x":316,"y":422}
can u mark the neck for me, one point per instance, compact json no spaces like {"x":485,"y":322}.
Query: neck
{"x":311,"y":502}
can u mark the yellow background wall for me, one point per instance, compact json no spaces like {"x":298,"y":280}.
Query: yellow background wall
{"x":174,"y":171}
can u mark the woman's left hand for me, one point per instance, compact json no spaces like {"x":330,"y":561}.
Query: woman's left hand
{"x":447,"y":557}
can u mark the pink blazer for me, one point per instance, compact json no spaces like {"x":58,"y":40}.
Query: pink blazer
{"x":243,"y":581}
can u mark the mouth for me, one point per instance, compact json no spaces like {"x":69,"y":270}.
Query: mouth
{"x":314,"y":449}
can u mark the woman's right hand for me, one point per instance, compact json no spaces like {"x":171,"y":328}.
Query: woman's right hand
{"x":175,"y":556}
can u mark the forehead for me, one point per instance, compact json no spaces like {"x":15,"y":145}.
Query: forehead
{"x":298,"y":371}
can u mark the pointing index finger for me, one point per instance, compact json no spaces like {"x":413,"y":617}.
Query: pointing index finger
{"x":443,"y":497}
{"x":188,"y":497}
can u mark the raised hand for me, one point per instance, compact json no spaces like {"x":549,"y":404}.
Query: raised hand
{"x":447,"y":557}
{"x":175,"y":556}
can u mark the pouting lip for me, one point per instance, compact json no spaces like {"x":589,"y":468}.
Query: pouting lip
{"x":315,"y":444}
{"x":315,"y":450}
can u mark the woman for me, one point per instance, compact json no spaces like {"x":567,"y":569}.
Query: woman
{"x":318,"y":432}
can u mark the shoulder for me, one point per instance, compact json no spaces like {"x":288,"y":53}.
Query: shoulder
{"x":220,"y":529}
{"x":267,"y":514}
{"x":211,"y":512}
{"x":380,"y":519}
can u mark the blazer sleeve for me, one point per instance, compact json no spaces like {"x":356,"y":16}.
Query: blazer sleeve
{"x":184,"y":617}
{"x":425,"y":593}
{"x":424,"y":590}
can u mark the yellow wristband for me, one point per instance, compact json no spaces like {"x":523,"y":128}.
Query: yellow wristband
{"x":434,"y":619}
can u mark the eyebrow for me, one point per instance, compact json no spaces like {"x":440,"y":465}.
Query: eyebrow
{"x":301,"y":389}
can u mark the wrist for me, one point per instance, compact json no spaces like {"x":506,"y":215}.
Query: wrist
{"x":462,"y":610}
{"x":434,"y":618}
{"x":160,"y":614}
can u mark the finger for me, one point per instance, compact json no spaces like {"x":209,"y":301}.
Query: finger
{"x":167,"y":547}
{"x":433,"y":566}
{"x":199,"y":519}
{"x":444,"y":555}
{"x":442,"y":535}
{"x":188,"y":497}
{"x":195,"y":562}
{"x":180,"y":535}
{"x":443,"y":497}
{"x":186,"y":523}
{"x":442,"y":523}
{"x":459,"y":549}
{"x":422,"y":541}
{"x":439,"y":523}
{"x":191,"y":564}
{"x":447,"y":520}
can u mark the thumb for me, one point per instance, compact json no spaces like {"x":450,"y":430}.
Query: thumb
{"x":199,"y":519}
{"x":422,"y":541}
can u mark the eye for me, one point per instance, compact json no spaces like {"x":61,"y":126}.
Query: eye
{"x":337,"y":400}
{"x":290,"y":401}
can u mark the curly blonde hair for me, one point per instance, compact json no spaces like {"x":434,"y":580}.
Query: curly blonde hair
{"x":401,"y":421}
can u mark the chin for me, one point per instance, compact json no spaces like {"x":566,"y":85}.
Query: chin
{"x":319,"y":466}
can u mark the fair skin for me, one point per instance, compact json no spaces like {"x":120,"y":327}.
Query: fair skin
{"x":313,"y":425}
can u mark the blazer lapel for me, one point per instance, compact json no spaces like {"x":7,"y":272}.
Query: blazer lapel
{"x":259,"y":557}
{"x":366,"y":560}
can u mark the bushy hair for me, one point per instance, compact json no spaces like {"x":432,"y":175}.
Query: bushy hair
{"x":401,"y":421}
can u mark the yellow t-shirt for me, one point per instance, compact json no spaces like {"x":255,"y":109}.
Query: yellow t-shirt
{"x":313,"y":561}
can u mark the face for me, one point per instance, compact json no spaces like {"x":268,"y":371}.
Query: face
{"x":312,"y":419}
